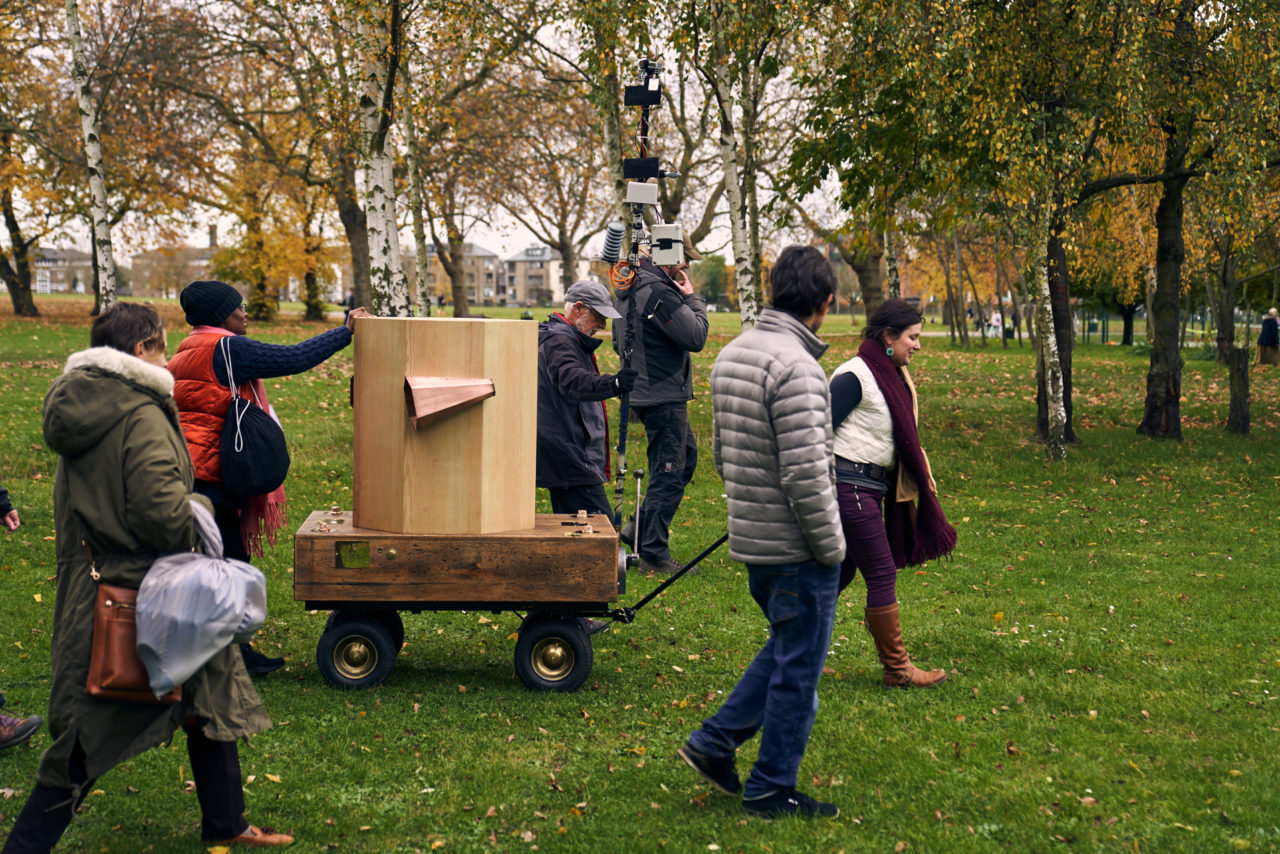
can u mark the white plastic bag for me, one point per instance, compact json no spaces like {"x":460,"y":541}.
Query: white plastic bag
{"x":192,"y":605}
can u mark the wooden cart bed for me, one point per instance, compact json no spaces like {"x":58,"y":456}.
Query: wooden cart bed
{"x":337,"y":565}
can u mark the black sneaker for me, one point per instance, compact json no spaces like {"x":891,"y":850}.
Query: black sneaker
{"x":789,"y":802}
{"x":258,"y":664}
{"x":628,"y":534}
{"x":595,"y":627}
{"x":718,"y":771}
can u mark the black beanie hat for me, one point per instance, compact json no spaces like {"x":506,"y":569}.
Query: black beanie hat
{"x":209,"y":303}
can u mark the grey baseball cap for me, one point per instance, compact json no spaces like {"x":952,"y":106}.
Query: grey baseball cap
{"x":593,"y":294}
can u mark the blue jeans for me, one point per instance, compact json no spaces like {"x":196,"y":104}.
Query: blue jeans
{"x":778,"y":695}
{"x":673,"y":456}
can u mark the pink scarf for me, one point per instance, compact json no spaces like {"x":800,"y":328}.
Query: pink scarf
{"x":262,"y":515}
{"x":915,"y":536}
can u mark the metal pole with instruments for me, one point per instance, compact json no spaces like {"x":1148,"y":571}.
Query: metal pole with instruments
{"x":639,"y":173}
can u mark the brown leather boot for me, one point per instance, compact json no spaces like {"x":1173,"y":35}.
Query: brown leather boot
{"x":17,"y":730}
{"x":883,"y":625}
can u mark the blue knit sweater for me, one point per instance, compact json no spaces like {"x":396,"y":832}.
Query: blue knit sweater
{"x":255,"y":360}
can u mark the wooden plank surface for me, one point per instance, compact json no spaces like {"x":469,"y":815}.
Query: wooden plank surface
{"x":552,"y":561}
{"x":471,"y":472}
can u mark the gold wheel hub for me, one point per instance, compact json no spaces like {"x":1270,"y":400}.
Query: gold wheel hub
{"x":355,"y":657}
{"x":552,"y":659}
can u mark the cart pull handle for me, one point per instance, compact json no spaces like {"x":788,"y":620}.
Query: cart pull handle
{"x":626,"y":615}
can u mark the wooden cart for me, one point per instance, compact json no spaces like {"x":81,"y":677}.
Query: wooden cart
{"x":562,"y":570}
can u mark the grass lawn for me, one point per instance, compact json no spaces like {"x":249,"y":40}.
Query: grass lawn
{"x":1109,"y":627}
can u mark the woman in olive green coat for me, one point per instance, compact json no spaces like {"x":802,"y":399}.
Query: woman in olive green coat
{"x":122,"y":493}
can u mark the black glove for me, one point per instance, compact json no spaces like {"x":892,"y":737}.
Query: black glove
{"x":626,"y":379}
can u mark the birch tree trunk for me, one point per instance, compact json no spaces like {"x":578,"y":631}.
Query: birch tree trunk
{"x":746,"y":276}
{"x":105,"y":257}
{"x":401,"y":307}
{"x":389,"y":289}
{"x":421,"y":264}
{"x":1055,"y":438}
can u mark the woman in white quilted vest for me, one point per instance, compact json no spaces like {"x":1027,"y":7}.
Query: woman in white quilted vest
{"x":889,"y":520}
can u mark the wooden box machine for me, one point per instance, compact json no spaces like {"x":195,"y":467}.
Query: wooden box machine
{"x":445,"y":441}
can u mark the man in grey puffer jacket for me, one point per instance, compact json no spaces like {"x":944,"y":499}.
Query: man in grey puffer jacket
{"x":773,"y":448}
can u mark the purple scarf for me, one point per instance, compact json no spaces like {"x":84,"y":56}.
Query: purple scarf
{"x":915,"y":535}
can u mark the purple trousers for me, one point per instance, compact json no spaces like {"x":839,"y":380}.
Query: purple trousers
{"x":866,"y":544}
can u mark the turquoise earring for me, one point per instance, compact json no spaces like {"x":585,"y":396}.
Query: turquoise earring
{"x":888,"y":351}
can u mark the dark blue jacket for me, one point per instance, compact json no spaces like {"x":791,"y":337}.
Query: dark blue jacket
{"x":572,"y":431}
{"x":1269,"y":336}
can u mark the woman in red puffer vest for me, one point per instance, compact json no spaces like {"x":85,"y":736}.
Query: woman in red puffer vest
{"x":216,"y":311}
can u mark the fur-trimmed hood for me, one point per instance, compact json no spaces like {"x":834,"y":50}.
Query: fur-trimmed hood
{"x":98,"y":387}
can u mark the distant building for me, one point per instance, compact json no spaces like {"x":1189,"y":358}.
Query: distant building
{"x":533,"y":276}
{"x":164,"y":272}
{"x":481,"y":273}
{"x":62,"y":271}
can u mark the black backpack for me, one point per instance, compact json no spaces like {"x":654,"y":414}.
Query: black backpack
{"x":255,"y":457}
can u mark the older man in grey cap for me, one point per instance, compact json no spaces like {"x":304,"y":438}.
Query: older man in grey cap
{"x":573,"y":430}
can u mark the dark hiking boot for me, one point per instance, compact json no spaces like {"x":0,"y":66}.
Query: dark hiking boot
{"x":720,"y":772}
{"x":595,"y":627}
{"x":628,"y":534}
{"x":258,"y":664}
{"x":789,"y":802}
{"x":17,"y":730}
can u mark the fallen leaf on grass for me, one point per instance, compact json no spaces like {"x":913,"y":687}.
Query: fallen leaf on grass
{"x":275,"y":778}
{"x":1088,"y":801}
{"x":900,"y":847}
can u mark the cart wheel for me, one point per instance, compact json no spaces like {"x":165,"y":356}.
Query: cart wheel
{"x":553,"y":654}
{"x":390,"y":619}
{"x":395,"y":625}
{"x":358,"y":652}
